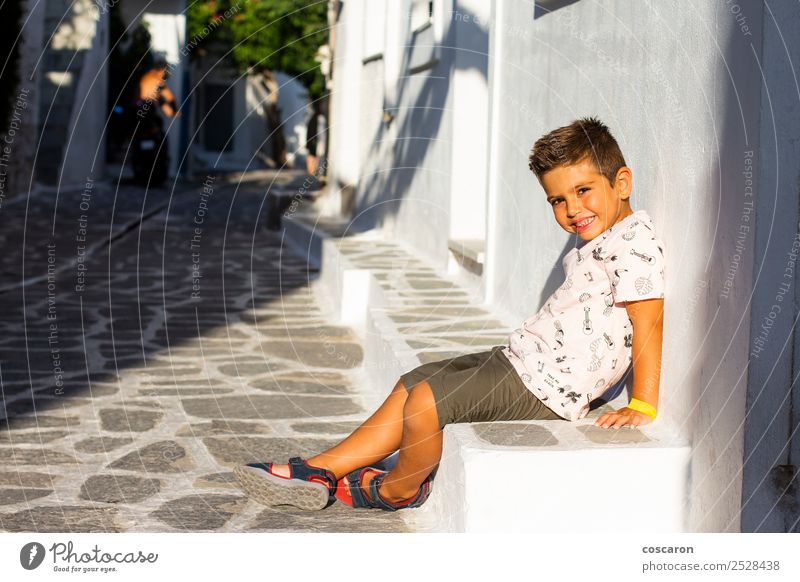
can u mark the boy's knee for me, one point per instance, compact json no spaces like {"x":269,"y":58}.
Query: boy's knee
{"x":420,"y":407}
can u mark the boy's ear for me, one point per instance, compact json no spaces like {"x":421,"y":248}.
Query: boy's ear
{"x":624,"y":182}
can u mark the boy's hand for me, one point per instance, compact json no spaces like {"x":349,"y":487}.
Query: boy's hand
{"x":623,"y":417}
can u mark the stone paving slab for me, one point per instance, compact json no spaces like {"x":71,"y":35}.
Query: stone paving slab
{"x":68,"y":222}
{"x":435,"y":317}
{"x":194,"y":344}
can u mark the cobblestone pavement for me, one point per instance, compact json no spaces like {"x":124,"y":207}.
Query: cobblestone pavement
{"x":134,"y":377}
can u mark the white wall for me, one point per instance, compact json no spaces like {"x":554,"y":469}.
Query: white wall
{"x":345,"y":98}
{"x":675,"y":86}
{"x":470,"y":21}
{"x":397,"y":85}
{"x":84,"y":152}
{"x":679,"y":86}
{"x":293,"y":103}
{"x":402,"y":167}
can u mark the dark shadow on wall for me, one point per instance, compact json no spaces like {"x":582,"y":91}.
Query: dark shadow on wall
{"x":545,"y":7}
{"x":770,"y":482}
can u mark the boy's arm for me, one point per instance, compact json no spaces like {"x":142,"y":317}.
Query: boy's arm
{"x":647,"y":318}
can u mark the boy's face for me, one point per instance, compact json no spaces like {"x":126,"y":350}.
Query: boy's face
{"x":583,"y":201}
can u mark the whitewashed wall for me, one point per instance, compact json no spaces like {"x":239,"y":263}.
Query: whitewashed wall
{"x":346,"y":97}
{"x":293,"y":103}
{"x":401,"y":165}
{"x":86,"y":127}
{"x":676,"y":86}
{"x":679,"y":86}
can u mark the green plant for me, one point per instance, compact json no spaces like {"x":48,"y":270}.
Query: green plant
{"x":274,"y":35}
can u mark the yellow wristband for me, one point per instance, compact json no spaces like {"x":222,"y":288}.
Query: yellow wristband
{"x":641,"y":406}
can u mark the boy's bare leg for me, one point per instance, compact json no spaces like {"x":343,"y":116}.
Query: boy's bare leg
{"x":420,"y":447}
{"x":377,"y":438}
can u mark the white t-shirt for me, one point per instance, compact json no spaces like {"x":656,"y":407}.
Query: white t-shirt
{"x":579,"y":343}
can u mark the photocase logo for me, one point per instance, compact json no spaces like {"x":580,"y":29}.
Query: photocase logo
{"x":31,"y":555}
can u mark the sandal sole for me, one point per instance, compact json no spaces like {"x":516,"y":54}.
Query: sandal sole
{"x":271,"y":490}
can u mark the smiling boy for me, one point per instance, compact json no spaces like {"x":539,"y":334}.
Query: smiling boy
{"x":609,"y":311}
{"x":607,"y":314}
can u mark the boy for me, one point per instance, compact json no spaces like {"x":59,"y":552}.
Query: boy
{"x":607,"y":314}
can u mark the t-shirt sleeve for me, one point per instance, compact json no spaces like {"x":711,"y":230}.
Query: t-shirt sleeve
{"x":635,"y":266}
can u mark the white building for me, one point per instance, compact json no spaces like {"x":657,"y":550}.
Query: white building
{"x":65,"y":45}
{"x":434,"y":110}
{"x":230,"y":117}
{"x":65,"y":60}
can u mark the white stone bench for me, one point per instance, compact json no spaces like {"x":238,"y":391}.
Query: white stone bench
{"x":553,"y":476}
{"x":534,"y":476}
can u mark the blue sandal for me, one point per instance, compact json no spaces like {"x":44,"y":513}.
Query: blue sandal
{"x":355,"y":497}
{"x":307,"y":487}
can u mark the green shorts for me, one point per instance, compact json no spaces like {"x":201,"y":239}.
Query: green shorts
{"x":479,"y":387}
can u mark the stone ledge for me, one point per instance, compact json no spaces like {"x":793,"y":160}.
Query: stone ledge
{"x":551,"y":476}
{"x":470,"y":248}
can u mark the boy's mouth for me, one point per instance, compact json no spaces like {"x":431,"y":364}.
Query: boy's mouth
{"x":583,"y":224}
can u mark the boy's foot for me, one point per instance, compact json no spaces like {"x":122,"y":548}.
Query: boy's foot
{"x":343,"y":489}
{"x":367,"y":492}
{"x":369,"y":474}
{"x":280,"y":470}
{"x":298,"y":484}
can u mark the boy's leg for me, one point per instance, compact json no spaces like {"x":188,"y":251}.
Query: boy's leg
{"x":377,"y":438}
{"x":420,"y":447}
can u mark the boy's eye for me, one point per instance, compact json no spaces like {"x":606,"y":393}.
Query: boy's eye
{"x":555,"y":201}
{"x":583,"y":190}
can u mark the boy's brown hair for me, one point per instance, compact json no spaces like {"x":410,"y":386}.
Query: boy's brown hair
{"x":583,"y":139}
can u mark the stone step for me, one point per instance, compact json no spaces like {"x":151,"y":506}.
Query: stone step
{"x":550,"y":471}
{"x":306,"y":230}
{"x":547,"y":476}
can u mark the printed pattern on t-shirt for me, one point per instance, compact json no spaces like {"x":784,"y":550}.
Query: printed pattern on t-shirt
{"x":579,"y":344}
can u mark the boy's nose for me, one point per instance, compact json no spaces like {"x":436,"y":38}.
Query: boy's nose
{"x":573,"y":207}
